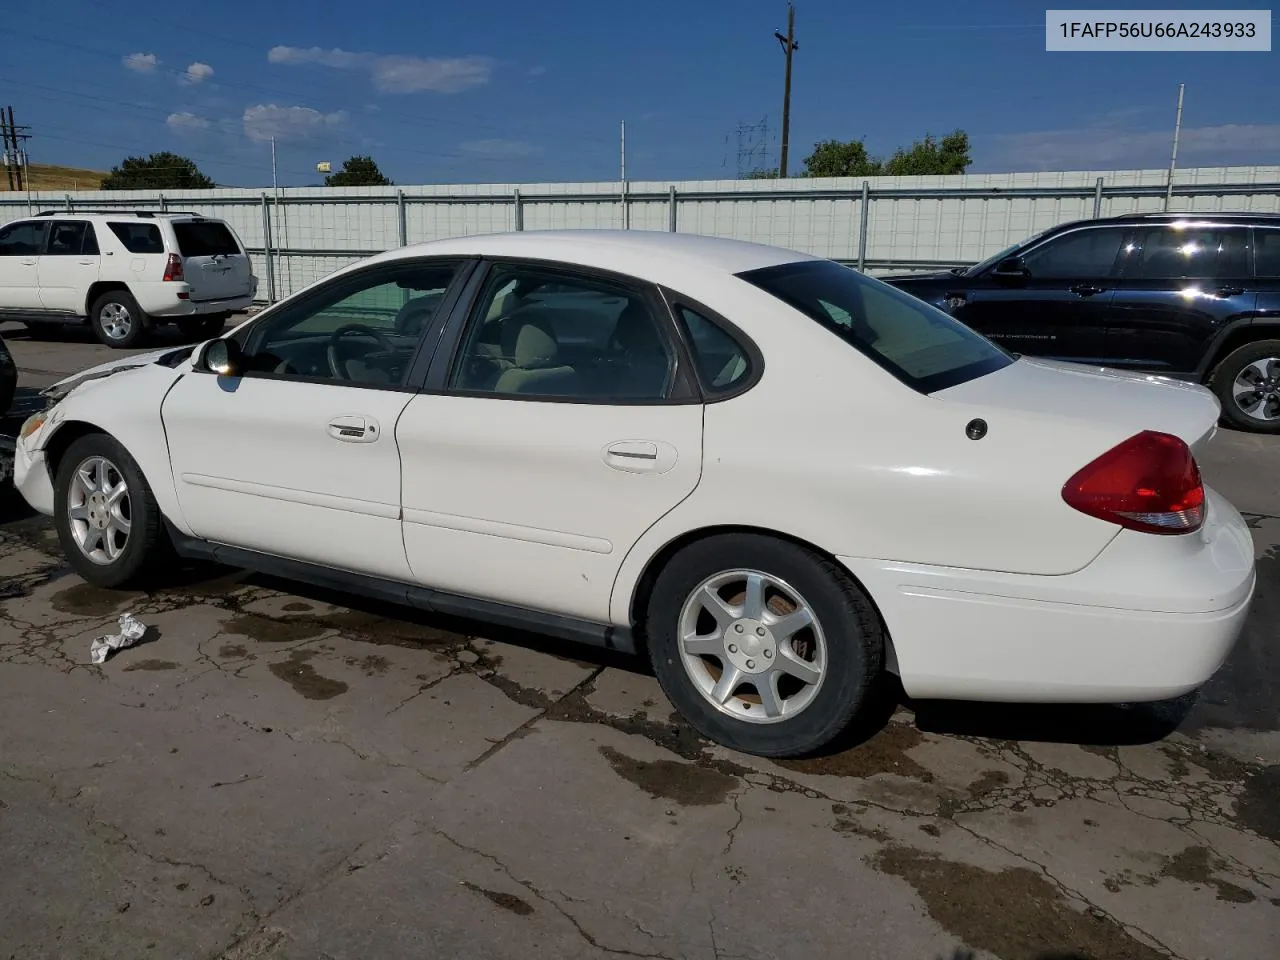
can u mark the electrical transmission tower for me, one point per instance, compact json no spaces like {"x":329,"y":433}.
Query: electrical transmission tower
{"x":753,"y":146}
{"x":15,"y":154}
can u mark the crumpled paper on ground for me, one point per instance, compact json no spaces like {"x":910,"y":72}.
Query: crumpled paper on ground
{"x":131,"y":631}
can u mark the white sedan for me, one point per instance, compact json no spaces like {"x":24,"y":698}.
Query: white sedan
{"x":778,"y":477}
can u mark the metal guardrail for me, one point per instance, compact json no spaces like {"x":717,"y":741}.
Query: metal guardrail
{"x":672,"y":197}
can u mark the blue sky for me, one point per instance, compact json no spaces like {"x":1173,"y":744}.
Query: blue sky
{"x":505,"y":91}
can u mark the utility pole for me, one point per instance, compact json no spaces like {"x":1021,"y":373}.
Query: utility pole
{"x":789,"y":47}
{"x":1173,"y":159}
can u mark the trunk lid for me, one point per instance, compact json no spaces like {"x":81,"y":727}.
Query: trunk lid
{"x":213,"y":262}
{"x":1128,"y":401}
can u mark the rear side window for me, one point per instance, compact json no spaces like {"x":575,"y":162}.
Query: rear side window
{"x":205,"y":238}
{"x":923,"y":347}
{"x":138,"y":237}
{"x":1266,"y":253}
{"x":1187,"y":253}
{"x":67,"y":238}
{"x":722,"y":362}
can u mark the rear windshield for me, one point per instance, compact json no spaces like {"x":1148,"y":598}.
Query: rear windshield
{"x":923,"y":347}
{"x":205,"y":238}
{"x":138,"y":237}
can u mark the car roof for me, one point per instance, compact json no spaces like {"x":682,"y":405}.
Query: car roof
{"x":122,"y":215}
{"x":635,"y":252}
{"x":1241,"y":219}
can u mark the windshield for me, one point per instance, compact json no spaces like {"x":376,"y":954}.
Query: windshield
{"x":923,"y":347}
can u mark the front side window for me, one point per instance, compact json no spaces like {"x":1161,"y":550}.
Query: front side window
{"x":919,"y":344}
{"x":138,"y":237}
{"x":362,"y":330}
{"x":540,"y":333}
{"x":1088,"y":254}
{"x":1187,"y":253}
{"x":67,"y":238}
{"x":23,"y":239}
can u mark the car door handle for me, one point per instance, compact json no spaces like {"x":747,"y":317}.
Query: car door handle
{"x":87,"y":263}
{"x":28,"y":261}
{"x":1228,"y":290}
{"x":1086,"y":289}
{"x":353,"y":429}
{"x":633,"y":450}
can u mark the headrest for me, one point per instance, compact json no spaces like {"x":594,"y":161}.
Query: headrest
{"x":529,"y":343}
{"x":635,"y":329}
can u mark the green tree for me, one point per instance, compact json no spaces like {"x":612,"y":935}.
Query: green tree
{"x":931,"y":157}
{"x":849,"y":158}
{"x":836,"y":158}
{"x":164,"y":170}
{"x":769,"y":174}
{"x":358,"y":172}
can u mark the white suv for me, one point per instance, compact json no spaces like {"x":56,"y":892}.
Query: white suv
{"x":125,"y":272}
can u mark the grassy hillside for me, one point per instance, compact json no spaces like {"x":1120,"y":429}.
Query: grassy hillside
{"x":47,"y":177}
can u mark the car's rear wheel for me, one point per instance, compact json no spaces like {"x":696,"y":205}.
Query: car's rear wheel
{"x":1247,"y":384}
{"x":107,"y":518}
{"x":764,"y":646}
{"x":117,"y":320}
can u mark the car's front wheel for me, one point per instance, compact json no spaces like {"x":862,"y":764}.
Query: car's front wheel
{"x":107,"y":518}
{"x":764,"y":646}
{"x":117,"y":320}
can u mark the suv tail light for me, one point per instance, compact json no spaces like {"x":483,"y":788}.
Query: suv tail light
{"x":1150,"y":483}
{"x":173,"y":268}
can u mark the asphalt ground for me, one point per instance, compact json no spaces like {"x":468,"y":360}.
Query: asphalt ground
{"x":281,"y":772}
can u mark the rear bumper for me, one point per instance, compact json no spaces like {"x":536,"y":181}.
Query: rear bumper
{"x":1153,"y":617}
{"x":160,"y":300}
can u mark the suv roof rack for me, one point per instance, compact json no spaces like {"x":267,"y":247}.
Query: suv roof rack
{"x":151,"y":214}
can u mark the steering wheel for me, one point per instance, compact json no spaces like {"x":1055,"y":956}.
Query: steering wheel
{"x":337,"y":365}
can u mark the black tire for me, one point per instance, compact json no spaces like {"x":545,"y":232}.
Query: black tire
{"x":206,"y":328}
{"x":1224,"y":379}
{"x":147,"y":549}
{"x":850,"y":624}
{"x":113,"y":301}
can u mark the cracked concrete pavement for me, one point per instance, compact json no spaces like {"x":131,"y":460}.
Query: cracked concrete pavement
{"x":286,"y":773}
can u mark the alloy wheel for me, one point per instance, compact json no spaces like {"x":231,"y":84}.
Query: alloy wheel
{"x":99,"y":510}
{"x":752,"y":645}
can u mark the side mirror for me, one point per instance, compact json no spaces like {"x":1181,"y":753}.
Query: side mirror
{"x":1011,"y":267}
{"x":223,"y":357}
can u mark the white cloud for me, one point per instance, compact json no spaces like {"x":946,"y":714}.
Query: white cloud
{"x":186,"y":122}
{"x":197,"y":73}
{"x":1109,"y":146}
{"x":395,"y":73}
{"x":537,"y":71}
{"x":141,"y":62}
{"x":503,"y":149}
{"x":266,"y":120}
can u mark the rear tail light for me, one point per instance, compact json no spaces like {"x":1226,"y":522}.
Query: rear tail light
{"x":1150,"y":483}
{"x":173,"y":268}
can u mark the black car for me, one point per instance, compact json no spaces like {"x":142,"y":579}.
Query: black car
{"x":8,"y":378}
{"x":1192,"y":296}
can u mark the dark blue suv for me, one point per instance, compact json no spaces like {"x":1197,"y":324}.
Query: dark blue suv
{"x":1192,"y":296}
